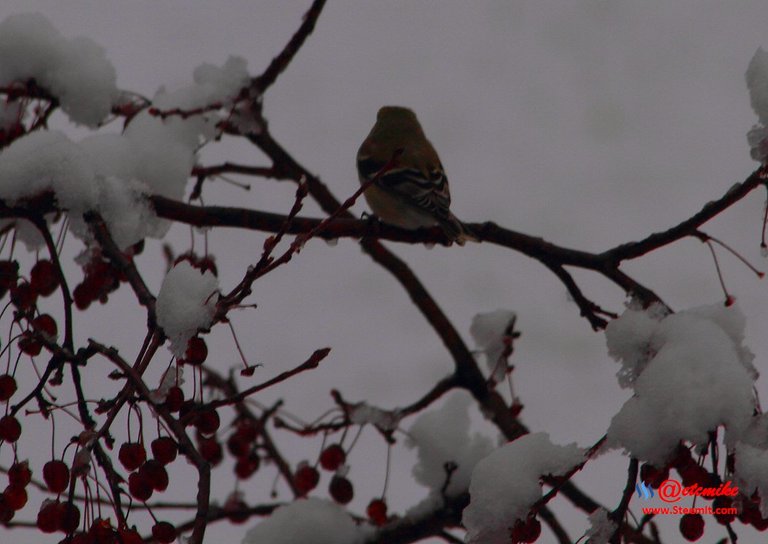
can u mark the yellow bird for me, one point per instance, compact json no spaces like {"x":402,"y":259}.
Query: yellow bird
{"x":414,"y":193}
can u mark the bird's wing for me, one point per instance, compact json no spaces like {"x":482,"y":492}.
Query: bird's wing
{"x":425,"y":190}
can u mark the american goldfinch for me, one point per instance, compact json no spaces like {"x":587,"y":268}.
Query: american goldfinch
{"x":414,"y":192}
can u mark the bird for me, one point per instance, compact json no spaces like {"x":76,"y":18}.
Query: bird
{"x":413,"y":193}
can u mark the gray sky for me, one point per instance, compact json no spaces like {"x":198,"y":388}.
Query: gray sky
{"x":589,"y":123}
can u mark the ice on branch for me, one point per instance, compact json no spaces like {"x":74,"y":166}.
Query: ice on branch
{"x":212,"y":85}
{"x":307,"y":521}
{"x":49,"y":161}
{"x":506,"y":484}
{"x":186,"y":304}
{"x":491,"y":333}
{"x":757,"y":83}
{"x":74,"y":70}
{"x":690,"y":373}
{"x":159,"y":154}
{"x":364,"y":414}
{"x":442,"y":436}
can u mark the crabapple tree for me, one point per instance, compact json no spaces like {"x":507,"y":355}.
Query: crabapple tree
{"x":97,"y":440}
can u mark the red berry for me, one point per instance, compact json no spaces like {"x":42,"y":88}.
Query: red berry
{"x":653,"y":476}
{"x":237,"y":509}
{"x":723,"y":502}
{"x":196,"y":352}
{"x":6,"y":512}
{"x":7,"y":387}
{"x":341,"y":489}
{"x":526,"y":531}
{"x":83,"y":295}
{"x":760,"y":523}
{"x":211,"y":450}
{"x":207,"y":422}
{"x":305,"y":479}
{"x":19,"y":474}
{"x":174,"y":399}
{"x":208,"y":264}
{"x":694,"y":474}
{"x":246,"y":466}
{"x":15,"y":497}
{"x":130,"y":536}
{"x":9,"y":274}
{"x":164,"y":449}
{"x":49,"y":517}
{"x":154,"y":472}
{"x":45,"y":324}
{"x":247,"y":430}
{"x":377,"y":512}
{"x":238,"y":445}
{"x":189,"y":411}
{"x":101,"y":531}
{"x":332,"y":457}
{"x":80,"y":538}
{"x":29,"y":345}
{"x":692,"y":527}
{"x":10,"y":429}
{"x":43,"y":278}
{"x":70,"y":517}
{"x":140,"y":487}
{"x":132,"y":455}
{"x":164,"y":532}
{"x":23,"y":297}
{"x":56,"y":475}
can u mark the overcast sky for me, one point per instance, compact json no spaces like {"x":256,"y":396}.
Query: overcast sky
{"x":589,"y":123}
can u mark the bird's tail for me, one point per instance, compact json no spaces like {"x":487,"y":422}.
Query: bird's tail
{"x":458,"y":231}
